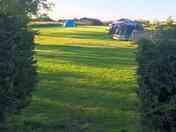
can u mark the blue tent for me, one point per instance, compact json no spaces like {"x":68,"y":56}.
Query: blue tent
{"x":70,"y":23}
{"x":123,"y":28}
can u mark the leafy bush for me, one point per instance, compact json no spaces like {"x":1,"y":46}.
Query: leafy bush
{"x":17,"y":65}
{"x":157,"y":82}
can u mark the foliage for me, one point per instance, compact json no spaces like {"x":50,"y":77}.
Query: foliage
{"x":157,"y":81}
{"x":147,"y":23}
{"x":18,"y":72}
{"x":22,"y":7}
{"x":44,"y":18}
{"x":156,"y":24}
{"x":17,"y":65}
{"x":170,"y":21}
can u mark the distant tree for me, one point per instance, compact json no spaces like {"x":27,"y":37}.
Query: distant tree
{"x":144,"y":22}
{"x":44,"y":17}
{"x":23,"y":7}
{"x":147,"y":23}
{"x":170,"y":21}
{"x":156,"y":24}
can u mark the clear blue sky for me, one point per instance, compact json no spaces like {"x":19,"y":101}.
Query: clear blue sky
{"x":114,"y":9}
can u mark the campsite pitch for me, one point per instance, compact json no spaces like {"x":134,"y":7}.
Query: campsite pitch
{"x":87,"y":83}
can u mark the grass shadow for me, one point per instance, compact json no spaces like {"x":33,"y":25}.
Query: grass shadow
{"x":80,"y":35}
{"x":90,"y":56}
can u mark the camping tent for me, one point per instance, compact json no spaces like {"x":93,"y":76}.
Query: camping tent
{"x":70,"y":23}
{"x":123,"y":28}
{"x":90,"y":21}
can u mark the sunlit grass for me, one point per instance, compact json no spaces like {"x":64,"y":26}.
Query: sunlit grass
{"x":87,"y":83}
{"x":87,"y":36}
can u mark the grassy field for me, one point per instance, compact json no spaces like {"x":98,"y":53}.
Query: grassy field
{"x":87,"y":83}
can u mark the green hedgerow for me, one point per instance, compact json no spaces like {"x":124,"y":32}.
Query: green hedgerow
{"x":17,"y":65}
{"x":157,"y":81}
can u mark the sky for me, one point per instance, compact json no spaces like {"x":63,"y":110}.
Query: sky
{"x":114,"y":9}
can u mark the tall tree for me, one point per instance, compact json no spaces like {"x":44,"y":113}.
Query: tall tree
{"x":18,"y":75}
{"x":23,"y":7}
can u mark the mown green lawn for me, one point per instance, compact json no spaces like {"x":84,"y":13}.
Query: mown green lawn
{"x":87,"y":83}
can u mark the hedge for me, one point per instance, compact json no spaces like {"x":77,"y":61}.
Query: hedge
{"x":157,"y":82}
{"x":18,"y":74}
